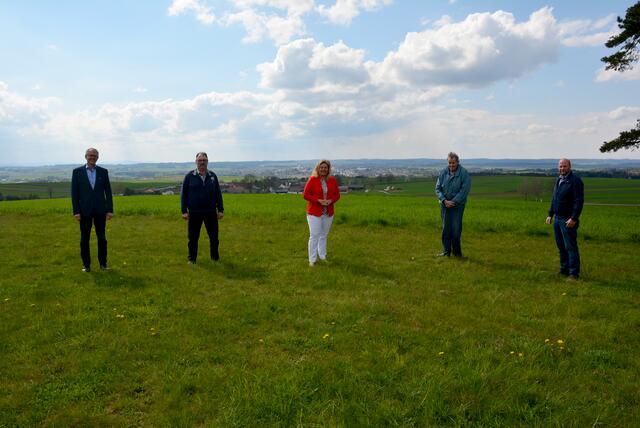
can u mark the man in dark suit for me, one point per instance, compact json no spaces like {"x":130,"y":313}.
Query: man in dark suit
{"x":566,"y":205}
{"x":92,"y":205}
{"x":201,"y":202}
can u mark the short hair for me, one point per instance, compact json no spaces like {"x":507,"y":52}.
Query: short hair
{"x":315,"y":169}
{"x":91,"y":149}
{"x":202,"y":154}
{"x":565,"y":159}
{"x":452,"y":155}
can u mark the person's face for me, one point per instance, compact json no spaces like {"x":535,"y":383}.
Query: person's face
{"x":564,"y":167}
{"x":453,"y":165}
{"x":202,"y":162}
{"x":323,"y":170}
{"x":92,"y":157}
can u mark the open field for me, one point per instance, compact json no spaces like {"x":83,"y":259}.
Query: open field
{"x":384,"y":334}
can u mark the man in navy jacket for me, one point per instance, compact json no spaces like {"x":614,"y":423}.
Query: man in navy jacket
{"x":566,"y":206}
{"x":201,"y":201}
{"x":92,"y":205}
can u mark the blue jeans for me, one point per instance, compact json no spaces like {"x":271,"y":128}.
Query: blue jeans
{"x":567,"y":242}
{"x":451,"y":229}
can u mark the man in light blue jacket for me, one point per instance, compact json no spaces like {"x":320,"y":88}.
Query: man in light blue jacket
{"x":452,"y":188}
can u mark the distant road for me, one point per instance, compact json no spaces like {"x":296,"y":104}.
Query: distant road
{"x":612,"y":205}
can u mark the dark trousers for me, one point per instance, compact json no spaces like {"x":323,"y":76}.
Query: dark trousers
{"x":194,"y":226}
{"x":451,"y":229}
{"x":567,"y":242}
{"x":100,"y":222}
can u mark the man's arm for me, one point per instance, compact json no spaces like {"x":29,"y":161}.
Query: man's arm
{"x":184,"y":196}
{"x":578,"y":198}
{"x":218,"y":195}
{"x":75,"y":193}
{"x":439,"y":189}
{"x":108,"y":195}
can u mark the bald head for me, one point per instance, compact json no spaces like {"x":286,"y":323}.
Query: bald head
{"x":564,"y":166}
{"x":91,"y":155}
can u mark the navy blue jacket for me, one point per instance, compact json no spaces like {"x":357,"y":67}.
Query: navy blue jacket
{"x":201,"y":197}
{"x":87,"y":201}
{"x":568,"y":197}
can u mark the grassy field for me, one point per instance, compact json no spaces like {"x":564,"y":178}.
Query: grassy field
{"x":384,"y":334}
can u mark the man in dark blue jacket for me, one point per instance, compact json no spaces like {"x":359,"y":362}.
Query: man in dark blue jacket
{"x":566,"y":206}
{"x":92,"y":205}
{"x":201,"y":201}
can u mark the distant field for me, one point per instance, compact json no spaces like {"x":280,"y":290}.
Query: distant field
{"x":597,"y":190}
{"x":385,"y":334}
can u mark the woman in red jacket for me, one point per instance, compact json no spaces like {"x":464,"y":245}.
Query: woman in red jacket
{"x":321,"y":192}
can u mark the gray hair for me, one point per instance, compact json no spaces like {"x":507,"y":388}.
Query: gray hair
{"x":202,"y":154}
{"x":91,"y":149}
{"x":452,"y":155}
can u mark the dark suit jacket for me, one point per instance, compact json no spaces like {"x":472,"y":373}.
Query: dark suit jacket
{"x":87,"y":201}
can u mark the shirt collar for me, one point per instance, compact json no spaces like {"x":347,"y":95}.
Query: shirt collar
{"x":196,"y":172}
{"x":86,"y":165}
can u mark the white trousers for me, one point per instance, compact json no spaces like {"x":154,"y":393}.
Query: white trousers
{"x":318,"y":231}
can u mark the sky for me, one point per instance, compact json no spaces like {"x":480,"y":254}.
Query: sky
{"x":160,"y":80}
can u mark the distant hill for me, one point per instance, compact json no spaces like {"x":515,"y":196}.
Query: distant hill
{"x":301,"y":168}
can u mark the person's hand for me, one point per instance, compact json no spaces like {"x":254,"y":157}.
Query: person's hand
{"x":109,"y":216}
{"x":570,"y":223}
{"x":185,"y":216}
{"x":322,"y":201}
{"x":328,"y":202}
{"x":449,"y":204}
{"x":77,"y":216}
{"x":548,"y":221}
{"x":220,"y":215}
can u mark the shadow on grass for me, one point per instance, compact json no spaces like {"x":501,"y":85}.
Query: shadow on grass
{"x":113,"y":278}
{"x":234,"y":270}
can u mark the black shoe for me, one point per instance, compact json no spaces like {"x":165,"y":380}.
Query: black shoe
{"x":458,"y":256}
{"x":563,"y":273}
{"x":191,"y":262}
{"x":215,"y":257}
{"x":443,"y":254}
{"x":104,"y":267}
{"x":86,"y":269}
{"x":572,"y":278}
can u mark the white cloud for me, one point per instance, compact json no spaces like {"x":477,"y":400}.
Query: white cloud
{"x":603,"y":75}
{"x":257,"y":25}
{"x":343,"y":11}
{"x":17,"y":110}
{"x":581,"y":32}
{"x":203,"y":12}
{"x":624,"y":113}
{"x":140,"y":90}
{"x":480,"y":50}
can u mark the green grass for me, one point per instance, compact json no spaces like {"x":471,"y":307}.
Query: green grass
{"x":597,"y":190}
{"x":262,"y":339}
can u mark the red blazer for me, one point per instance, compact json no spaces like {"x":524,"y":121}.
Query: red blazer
{"x":313,"y":192}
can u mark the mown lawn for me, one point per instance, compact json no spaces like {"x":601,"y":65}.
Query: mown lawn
{"x":384,"y":334}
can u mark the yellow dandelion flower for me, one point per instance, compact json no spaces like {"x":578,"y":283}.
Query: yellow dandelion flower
{"x":564,"y":294}
{"x":7,"y":299}
{"x":152,"y":329}
{"x":562,"y":348}
{"x":261,"y":340}
{"x":547,"y":341}
{"x":440,"y":353}
{"x":326,"y":335}
{"x":520,"y":354}
{"x":512,"y":352}
{"x":153,"y":333}
{"x":32,"y":305}
{"x":560,"y":341}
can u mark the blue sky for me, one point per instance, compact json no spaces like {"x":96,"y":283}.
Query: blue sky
{"x":305,"y":79}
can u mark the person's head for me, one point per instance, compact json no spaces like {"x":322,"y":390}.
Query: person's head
{"x":91,"y":155}
{"x":322,"y":169}
{"x":453,"y":161}
{"x":564,"y":166}
{"x":202,"y":160}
